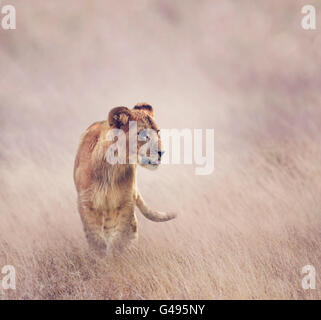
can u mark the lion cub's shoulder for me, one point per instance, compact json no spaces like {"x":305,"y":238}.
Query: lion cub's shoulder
{"x":95,"y":127}
{"x":91,"y":136}
{"x":87,"y":144}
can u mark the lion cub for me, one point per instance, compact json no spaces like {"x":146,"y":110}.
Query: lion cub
{"x":107,"y":193}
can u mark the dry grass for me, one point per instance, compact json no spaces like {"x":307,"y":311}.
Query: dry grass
{"x":244,"y":232}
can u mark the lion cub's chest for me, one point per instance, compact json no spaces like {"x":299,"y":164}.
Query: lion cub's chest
{"x":114,"y":209}
{"x":109,"y":199}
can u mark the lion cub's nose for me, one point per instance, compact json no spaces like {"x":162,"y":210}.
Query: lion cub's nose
{"x":160,"y":153}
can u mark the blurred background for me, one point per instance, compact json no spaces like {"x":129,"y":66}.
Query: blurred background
{"x":245,"y":68}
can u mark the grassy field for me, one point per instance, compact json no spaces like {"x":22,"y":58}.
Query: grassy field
{"x":248,"y":70}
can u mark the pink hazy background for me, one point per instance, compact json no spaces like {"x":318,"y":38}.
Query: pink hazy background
{"x":246,"y":69}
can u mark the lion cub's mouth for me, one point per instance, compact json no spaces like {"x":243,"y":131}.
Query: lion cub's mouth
{"x":149,"y":164}
{"x":154,"y":165}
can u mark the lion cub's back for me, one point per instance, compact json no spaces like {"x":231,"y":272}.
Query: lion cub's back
{"x":82,"y":164}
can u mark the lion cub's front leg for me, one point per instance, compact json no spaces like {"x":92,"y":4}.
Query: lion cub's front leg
{"x":120,"y":228}
{"x":92,"y":223}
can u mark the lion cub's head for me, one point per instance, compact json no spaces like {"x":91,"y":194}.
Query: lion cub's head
{"x":143,"y":143}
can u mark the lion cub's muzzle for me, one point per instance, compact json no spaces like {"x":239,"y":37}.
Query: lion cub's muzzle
{"x":151,"y":163}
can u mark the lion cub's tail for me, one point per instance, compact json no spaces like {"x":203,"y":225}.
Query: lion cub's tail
{"x":150,"y":214}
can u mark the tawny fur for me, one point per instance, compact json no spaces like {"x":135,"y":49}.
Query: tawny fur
{"x":107,"y":194}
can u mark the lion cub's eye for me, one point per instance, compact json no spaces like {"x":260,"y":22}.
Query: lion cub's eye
{"x":142,"y":135}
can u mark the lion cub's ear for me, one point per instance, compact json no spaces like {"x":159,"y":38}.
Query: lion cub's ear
{"x":145,"y":107}
{"x":118,"y":117}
